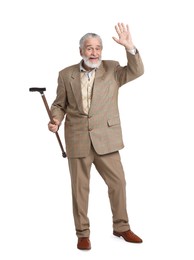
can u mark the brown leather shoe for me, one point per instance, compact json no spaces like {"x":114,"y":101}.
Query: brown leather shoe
{"x":84,"y":243}
{"x":129,"y":236}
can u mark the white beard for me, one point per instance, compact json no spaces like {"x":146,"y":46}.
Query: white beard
{"x":90,"y":64}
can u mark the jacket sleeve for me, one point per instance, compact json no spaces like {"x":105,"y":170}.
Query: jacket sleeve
{"x":131,"y":71}
{"x":58,"y":107}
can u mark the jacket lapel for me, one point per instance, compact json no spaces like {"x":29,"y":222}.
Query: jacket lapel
{"x":76,"y":88}
{"x":97,"y":89}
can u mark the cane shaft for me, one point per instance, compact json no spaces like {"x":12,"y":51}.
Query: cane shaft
{"x":52,"y":121}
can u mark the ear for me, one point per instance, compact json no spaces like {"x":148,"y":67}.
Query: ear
{"x":80,"y":51}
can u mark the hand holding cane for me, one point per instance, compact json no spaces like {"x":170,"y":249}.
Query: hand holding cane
{"x":41,"y":91}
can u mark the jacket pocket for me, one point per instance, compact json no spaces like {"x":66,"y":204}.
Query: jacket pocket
{"x":114,"y":121}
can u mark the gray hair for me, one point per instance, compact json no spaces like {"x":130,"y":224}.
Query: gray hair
{"x":89,"y":35}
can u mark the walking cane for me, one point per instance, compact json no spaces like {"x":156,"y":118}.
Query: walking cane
{"x":41,"y":91}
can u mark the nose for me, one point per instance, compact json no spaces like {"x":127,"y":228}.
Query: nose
{"x":94,"y":52}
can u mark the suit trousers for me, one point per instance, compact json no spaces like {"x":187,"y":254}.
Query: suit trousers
{"x":110,"y":168}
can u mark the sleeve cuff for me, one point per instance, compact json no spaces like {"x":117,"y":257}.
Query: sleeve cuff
{"x":132,"y":51}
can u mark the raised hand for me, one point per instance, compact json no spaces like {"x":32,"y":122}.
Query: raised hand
{"x":124,"y":35}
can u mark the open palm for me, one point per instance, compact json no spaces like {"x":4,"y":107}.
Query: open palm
{"x":124,"y":36}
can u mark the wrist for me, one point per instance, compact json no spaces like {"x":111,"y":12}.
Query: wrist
{"x":132,"y":50}
{"x":129,"y":46}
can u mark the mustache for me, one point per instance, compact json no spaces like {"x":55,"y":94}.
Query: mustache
{"x":92,"y":57}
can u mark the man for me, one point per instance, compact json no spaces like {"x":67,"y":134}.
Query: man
{"x":87,"y":94}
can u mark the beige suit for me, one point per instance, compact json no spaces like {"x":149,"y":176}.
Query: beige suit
{"x":95,"y":137}
{"x":102,"y":125}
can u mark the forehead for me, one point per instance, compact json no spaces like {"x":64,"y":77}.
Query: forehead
{"x":92,"y":42}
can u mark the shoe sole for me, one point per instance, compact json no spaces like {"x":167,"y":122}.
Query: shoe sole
{"x":119,"y":235}
{"x":85,"y":249}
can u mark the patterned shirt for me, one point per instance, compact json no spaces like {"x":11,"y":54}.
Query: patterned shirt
{"x":87,"y":81}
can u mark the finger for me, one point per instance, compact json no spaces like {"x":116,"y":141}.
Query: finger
{"x":123,"y":27}
{"x":120,"y":27}
{"x":117,"y":29}
{"x":53,"y":129}
{"x":51,"y":124}
{"x":56,"y":121}
{"x":115,"y":39}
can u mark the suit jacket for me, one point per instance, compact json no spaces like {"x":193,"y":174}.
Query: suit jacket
{"x":101,"y":127}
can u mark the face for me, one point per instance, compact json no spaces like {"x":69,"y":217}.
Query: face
{"x":91,"y":53}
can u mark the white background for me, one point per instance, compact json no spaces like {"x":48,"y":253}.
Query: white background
{"x":39,"y":38}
